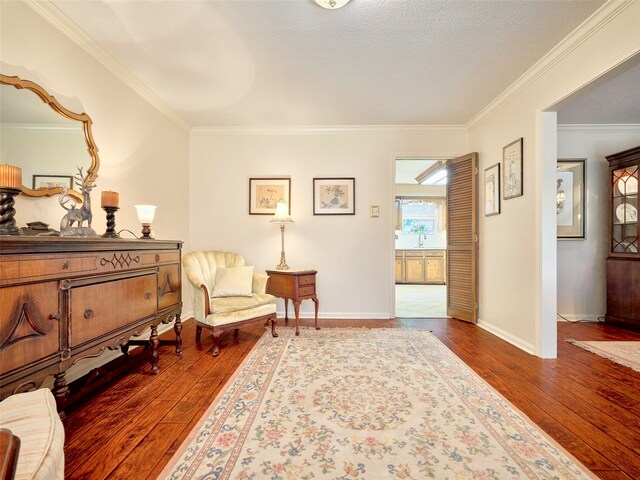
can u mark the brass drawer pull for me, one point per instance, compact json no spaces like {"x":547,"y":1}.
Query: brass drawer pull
{"x":55,"y":316}
{"x":65,"y":265}
{"x":88,"y":313}
{"x":147,"y":295}
{"x":157,"y":258}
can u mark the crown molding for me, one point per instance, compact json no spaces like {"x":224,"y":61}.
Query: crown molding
{"x":42,"y":127}
{"x":598,"y":128}
{"x":327,"y":129}
{"x":577,"y":37}
{"x":62,"y":23}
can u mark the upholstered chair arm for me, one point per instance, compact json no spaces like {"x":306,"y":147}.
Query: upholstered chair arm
{"x":259,"y":284}
{"x":207,"y":300}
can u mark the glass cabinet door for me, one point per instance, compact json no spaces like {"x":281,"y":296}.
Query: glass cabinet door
{"x":624,"y":215}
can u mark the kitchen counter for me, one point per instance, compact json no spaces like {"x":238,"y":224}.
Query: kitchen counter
{"x":421,"y":265}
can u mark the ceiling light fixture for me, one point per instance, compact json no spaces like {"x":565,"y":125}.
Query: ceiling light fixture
{"x":331,"y":4}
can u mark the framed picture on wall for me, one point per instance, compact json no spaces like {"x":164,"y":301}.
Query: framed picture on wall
{"x":334,"y":196}
{"x":52,"y":181}
{"x":492,"y":190}
{"x":512,"y":164}
{"x":570,"y":198}
{"x":265,"y":193}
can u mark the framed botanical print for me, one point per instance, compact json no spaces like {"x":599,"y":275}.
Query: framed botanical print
{"x":512,"y":164}
{"x":570,"y":198}
{"x":492,"y":190}
{"x":265,"y":193}
{"x":52,"y":181}
{"x":334,"y":196}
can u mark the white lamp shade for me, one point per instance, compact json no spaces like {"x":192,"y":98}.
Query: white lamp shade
{"x":146,"y":213}
{"x":282,"y":214}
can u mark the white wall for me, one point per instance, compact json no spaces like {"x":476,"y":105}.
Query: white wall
{"x":517,"y":248}
{"x":581,"y":263}
{"x":143,"y":154}
{"x":353,"y":254}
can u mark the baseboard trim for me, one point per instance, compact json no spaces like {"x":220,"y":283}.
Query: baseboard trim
{"x":340,"y":315}
{"x":571,"y":317}
{"x":506,"y":336}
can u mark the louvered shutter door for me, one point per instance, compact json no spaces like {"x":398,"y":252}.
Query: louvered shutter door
{"x":462,"y":245}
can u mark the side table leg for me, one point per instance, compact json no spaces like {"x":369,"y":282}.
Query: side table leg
{"x":296,"y":308}
{"x":177,"y":328}
{"x":154,"y":342}
{"x":317,"y":304}
{"x":286,"y":311}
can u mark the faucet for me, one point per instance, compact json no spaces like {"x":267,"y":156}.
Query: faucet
{"x":421,"y":236}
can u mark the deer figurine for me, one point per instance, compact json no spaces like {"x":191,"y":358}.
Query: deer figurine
{"x":75,"y":214}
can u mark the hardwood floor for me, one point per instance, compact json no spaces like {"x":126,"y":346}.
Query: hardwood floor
{"x":590,"y":405}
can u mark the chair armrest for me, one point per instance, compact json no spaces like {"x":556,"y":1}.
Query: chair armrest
{"x":207,"y":300}
{"x":259,"y":284}
{"x":9,"y":449}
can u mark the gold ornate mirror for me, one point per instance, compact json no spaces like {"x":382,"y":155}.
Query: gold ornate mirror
{"x":46,"y":141}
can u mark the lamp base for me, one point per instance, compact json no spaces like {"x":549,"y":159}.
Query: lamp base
{"x":282,"y":266}
{"x":146,"y":232}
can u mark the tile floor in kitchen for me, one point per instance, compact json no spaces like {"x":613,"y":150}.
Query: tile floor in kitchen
{"x":420,"y":301}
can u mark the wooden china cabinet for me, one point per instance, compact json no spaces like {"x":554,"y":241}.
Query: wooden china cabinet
{"x":623,"y":261}
{"x":65,"y":300}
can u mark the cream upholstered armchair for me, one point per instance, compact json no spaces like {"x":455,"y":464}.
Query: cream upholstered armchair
{"x":227,"y":294}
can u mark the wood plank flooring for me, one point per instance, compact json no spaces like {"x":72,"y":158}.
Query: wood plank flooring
{"x":590,"y":405}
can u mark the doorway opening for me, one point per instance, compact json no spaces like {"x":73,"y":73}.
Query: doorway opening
{"x":420,"y":237}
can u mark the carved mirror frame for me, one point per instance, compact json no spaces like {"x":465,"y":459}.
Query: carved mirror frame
{"x":92,"y":171}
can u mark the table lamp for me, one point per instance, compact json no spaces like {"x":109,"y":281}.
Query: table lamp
{"x":145,"y":215}
{"x":282,"y":216}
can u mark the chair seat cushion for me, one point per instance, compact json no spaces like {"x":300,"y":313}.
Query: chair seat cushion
{"x":33,"y":418}
{"x":235,"y":304}
{"x":237,"y":309}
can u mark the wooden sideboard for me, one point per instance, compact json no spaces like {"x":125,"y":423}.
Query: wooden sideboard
{"x":65,"y":300}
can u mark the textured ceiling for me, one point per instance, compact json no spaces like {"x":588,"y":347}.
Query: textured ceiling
{"x":290,"y":62}
{"x":614,"y":100}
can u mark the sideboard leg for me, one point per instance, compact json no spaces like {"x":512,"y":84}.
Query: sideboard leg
{"x":177,"y":327}
{"x":154,"y":342}
{"x":60,"y":392}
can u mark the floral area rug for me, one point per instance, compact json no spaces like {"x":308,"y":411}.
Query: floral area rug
{"x":366,"y":404}
{"x":625,"y":353}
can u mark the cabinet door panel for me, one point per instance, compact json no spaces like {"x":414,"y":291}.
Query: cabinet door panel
{"x":414,"y":270}
{"x":27,"y":330}
{"x":98,"y":309}
{"x":168,"y":286}
{"x":434,"y":270}
{"x":399,"y":265}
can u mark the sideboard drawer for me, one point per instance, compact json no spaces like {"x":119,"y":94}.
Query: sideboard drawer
{"x":28,"y":331}
{"x":35,"y":267}
{"x":168,"y":286}
{"x":414,"y":254}
{"x":153,"y":258}
{"x":307,"y":280}
{"x":96,"y":309}
{"x":307,"y":291}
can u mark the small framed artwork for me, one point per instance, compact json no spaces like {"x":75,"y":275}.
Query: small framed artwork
{"x":52,"y":181}
{"x":570,"y":198}
{"x":334,"y":196}
{"x":512,"y":164}
{"x":492,"y":190}
{"x":265,"y":193}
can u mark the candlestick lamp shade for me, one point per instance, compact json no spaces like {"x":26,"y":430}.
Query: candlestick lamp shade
{"x":282,"y":214}
{"x":10,"y":176}
{"x":110,"y":199}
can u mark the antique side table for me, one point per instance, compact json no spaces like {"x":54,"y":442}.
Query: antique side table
{"x":294,"y":285}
